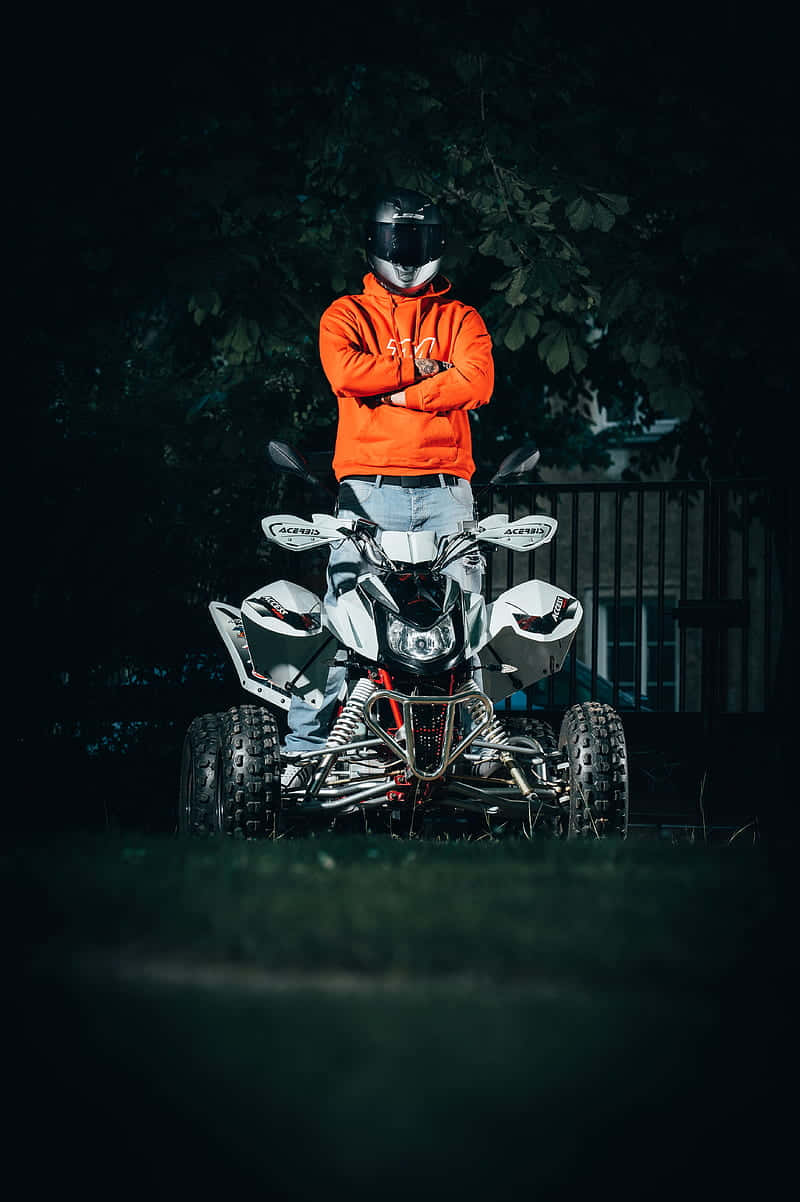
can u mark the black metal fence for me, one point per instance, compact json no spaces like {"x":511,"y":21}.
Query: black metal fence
{"x":681,"y":587}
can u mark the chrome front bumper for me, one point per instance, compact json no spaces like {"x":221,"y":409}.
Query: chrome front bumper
{"x":424,"y":762}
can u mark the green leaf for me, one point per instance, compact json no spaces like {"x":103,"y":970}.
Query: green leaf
{"x":530,"y":321}
{"x":558,"y":356}
{"x":554,"y":348}
{"x":503,"y":283}
{"x":547,"y":278}
{"x":205,"y":303}
{"x":579,"y":214}
{"x":603,"y":218}
{"x":567,"y":304}
{"x":500,"y":248}
{"x":616,"y":203}
{"x":241,"y":341}
{"x":483,"y":202}
{"x":514,"y":294}
{"x":593,"y":295}
{"x":578,"y":355}
{"x":515,"y":334}
{"x":506,"y":253}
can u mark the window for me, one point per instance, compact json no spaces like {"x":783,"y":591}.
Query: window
{"x":616,"y":648}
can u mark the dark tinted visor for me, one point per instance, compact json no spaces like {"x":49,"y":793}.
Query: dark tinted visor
{"x":407,"y":245}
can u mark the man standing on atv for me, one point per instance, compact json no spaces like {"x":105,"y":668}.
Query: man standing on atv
{"x":406,"y":363}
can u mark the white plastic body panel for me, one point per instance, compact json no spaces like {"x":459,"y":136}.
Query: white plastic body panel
{"x":350,"y":620}
{"x":277,"y":642}
{"x":406,"y":546}
{"x":514,"y":658}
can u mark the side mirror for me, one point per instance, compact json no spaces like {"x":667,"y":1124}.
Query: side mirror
{"x":518,"y":463}
{"x":286,"y":459}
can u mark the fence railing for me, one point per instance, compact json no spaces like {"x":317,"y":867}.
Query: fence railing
{"x":680,"y":583}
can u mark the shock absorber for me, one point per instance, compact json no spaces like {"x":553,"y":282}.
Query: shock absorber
{"x":496,"y":733}
{"x":345,"y":727}
{"x":353,"y":713}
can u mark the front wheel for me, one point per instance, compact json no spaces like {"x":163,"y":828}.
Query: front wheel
{"x":250,"y":791}
{"x":230,"y":774}
{"x":593,"y":743}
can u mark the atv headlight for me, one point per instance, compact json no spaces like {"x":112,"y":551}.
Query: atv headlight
{"x":418,"y":644}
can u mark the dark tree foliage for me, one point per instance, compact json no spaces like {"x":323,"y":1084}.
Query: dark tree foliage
{"x":194,"y":201}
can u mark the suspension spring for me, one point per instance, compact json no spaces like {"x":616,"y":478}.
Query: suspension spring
{"x":343,"y":729}
{"x":495,"y":731}
{"x":347,"y":723}
{"x":497,"y":734}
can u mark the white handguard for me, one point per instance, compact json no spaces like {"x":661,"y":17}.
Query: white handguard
{"x":523,"y":534}
{"x":297,"y":534}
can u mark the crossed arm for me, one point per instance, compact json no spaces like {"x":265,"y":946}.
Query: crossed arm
{"x":429,"y":385}
{"x":423,"y":369}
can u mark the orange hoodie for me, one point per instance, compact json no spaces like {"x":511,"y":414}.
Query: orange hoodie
{"x":368,"y":343}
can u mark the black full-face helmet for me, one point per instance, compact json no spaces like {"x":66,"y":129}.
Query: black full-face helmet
{"x":405,"y":241}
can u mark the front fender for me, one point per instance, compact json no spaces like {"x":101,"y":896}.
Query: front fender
{"x":514,"y":658}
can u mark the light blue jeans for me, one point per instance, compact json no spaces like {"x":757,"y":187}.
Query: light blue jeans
{"x":444,"y":509}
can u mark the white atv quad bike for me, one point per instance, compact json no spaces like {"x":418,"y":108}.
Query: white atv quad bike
{"x":416,"y":746}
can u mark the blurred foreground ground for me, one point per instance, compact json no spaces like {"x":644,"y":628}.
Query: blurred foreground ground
{"x":378,"y":1018}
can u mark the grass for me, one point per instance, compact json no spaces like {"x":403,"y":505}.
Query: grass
{"x":380,"y":1017}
